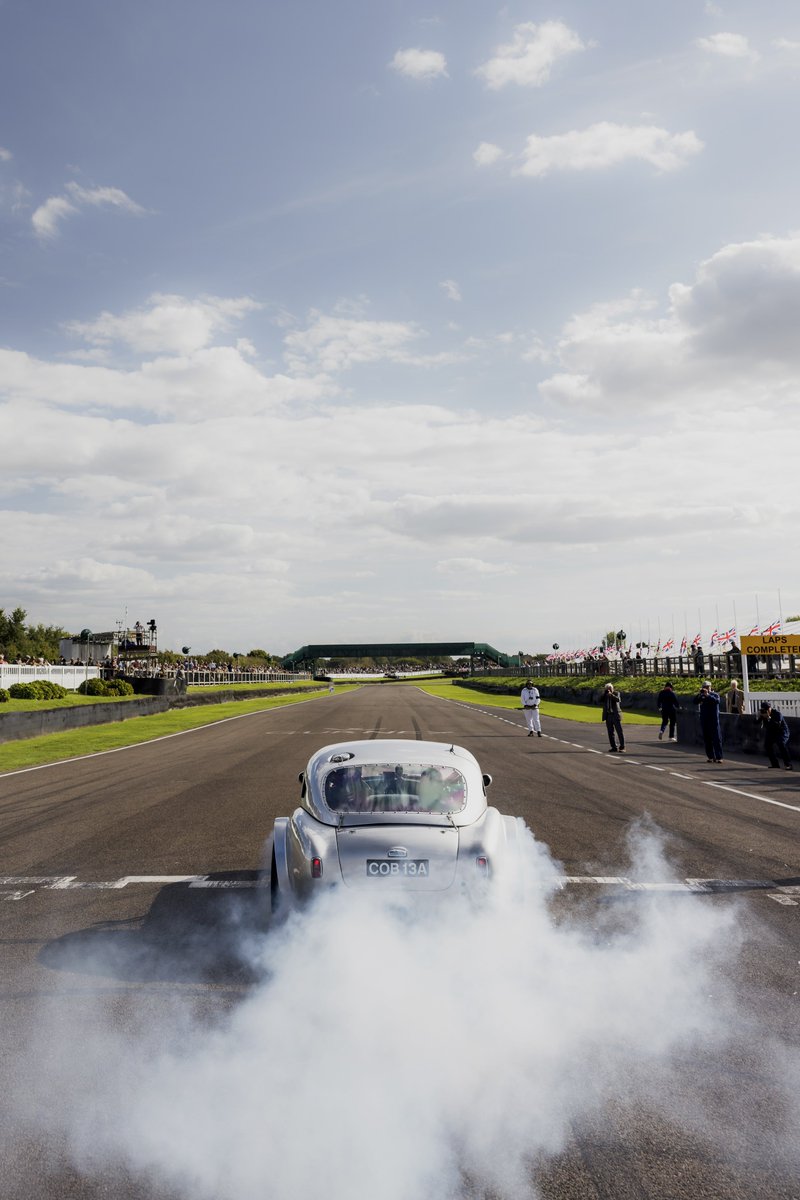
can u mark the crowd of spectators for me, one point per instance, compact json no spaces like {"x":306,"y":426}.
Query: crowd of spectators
{"x":29,"y":661}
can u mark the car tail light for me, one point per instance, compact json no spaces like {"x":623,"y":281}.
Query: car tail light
{"x":482,"y":863}
{"x":316,"y":868}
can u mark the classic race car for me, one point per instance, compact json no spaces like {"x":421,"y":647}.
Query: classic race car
{"x":387,"y":814}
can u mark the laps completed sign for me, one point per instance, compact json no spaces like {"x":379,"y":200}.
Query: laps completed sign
{"x":773,"y":643}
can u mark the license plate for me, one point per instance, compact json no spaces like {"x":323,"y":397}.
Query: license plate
{"x":381,"y":867}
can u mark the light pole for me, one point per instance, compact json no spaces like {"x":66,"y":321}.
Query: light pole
{"x":85,"y":635}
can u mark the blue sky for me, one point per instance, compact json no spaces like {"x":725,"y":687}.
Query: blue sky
{"x":386,"y":321}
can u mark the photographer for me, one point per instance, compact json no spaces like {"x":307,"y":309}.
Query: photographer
{"x":776,"y":740}
{"x":612,"y":715}
{"x":708,"y":701}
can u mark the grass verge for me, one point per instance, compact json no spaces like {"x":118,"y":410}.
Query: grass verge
{"x":73,"y":700}
{"x":584,"y":713}
{"x":55,"y":747}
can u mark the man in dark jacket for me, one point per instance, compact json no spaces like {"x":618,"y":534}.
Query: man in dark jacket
{"x":708,"y":701}
{"x":612,"y":715}
{"x":668,"y":706}
{"x":776,"y":741}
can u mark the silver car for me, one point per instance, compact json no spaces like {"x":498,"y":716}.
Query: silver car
{"x":387,"y":814}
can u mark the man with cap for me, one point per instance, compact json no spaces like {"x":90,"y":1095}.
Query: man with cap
{"x":667,"y":703}
{"x":776,"y":741}
{"x":612,"y":715}
{"x":708,"y":701}
{"x":530,"y":706}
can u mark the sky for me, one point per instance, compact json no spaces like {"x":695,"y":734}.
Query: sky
{"x":389,"y":321}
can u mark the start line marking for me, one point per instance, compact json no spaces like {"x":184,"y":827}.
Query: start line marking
{"x":14,"y":887}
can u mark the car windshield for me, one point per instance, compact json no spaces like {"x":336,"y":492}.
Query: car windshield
{"x":390,"y":787}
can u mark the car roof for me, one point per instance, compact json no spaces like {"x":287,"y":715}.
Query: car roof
{"x":394,"y":751}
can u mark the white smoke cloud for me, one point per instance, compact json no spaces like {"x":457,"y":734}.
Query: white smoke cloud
{"x":385,"y":1053}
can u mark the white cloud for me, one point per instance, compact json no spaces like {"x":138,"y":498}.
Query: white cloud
{"x":465,"y":567}
{"x":786,"y":44}
{"x":726,"y":342}
{"x":451,"y":289}
{"x":745,"y":303}
{"x":48,"y":216}
{"x":334,"y":343}
{"x":198,"y":479}
{"x":167,"y":323}
{"x":5,"y":155}
{"x":728,"y":45}
{"x":529,"y":58}
{"x":486,"y":154}
{"x":420,"y":64}
{"x":84,"y":573}
{"x":606,"y":145}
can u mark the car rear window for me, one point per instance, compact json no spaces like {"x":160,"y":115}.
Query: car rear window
{"x":392,"y":787}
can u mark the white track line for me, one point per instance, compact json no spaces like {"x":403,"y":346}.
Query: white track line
{"x":752,"y":796}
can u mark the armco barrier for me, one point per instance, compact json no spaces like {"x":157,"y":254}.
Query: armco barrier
{"x":15,"y":726}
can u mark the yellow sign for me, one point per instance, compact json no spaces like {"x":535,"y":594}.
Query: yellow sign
{"x":773,"y":643}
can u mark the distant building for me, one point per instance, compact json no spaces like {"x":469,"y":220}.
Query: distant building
{"x":100,"y":646}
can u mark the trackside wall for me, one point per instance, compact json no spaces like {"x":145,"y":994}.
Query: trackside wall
{"x":15,"y":726}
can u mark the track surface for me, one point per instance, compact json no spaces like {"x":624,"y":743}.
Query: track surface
{"x":120,"y":858}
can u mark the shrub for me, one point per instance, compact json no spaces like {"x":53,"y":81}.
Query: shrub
{"x":119,"y":687}
{"x":93,"y":687}
{"x":37,"y":689}
{"x":4,"y":696}
{"x":23,"y":691}
{"x":47,"y":690}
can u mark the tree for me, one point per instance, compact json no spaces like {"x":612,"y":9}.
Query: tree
{"x":35,"y":641}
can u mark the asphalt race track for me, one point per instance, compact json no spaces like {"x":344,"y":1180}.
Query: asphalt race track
{"x":126,"y":880}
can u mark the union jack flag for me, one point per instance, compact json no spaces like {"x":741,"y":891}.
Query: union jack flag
{"x":728,"y":635}
{"x":670,"y":642}
{"x":715,"y":637}
{"x":684,"y":644}
{"x":697,"y":640}
{"x":773,"y":628}
{"x":754,"y":631}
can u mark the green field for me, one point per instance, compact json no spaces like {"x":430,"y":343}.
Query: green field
{"x":585,"y":713}
{"x":54,"y":747}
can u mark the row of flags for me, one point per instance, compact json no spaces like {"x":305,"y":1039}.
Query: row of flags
{"x":725,"y":638}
